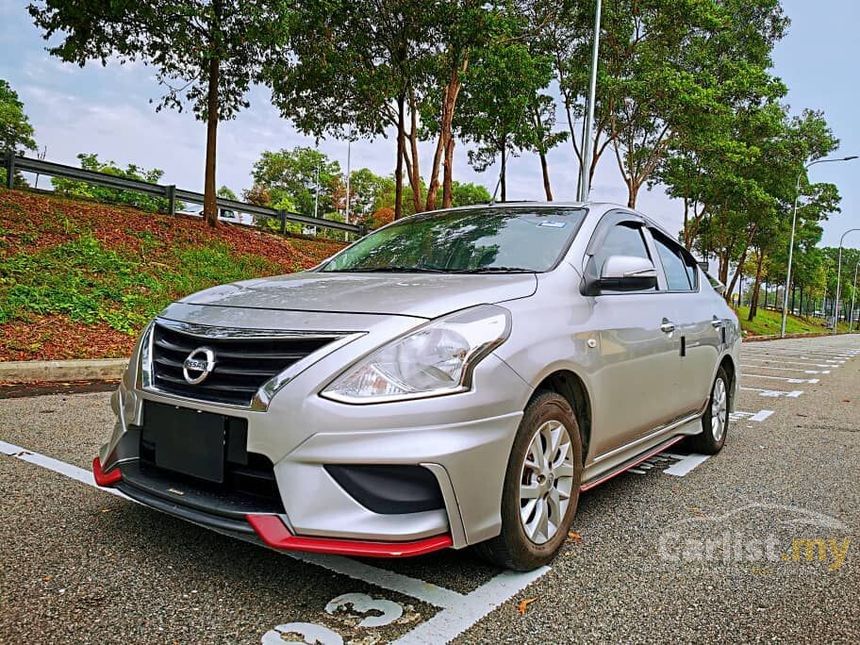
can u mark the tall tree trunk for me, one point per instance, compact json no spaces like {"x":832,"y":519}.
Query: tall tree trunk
{"x":448,"y":175}
{"x":210,"y":207}
{"x":754,"y":301}
{"x":545,"y":171}
{"x":632,"y":193}
{"x":502,"y":175}
{"x":443,"y":156}
{"x":413,"y":163}
{"x":398,"y":171}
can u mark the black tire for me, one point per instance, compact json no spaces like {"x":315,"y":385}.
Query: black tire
{"x":707,"y":443}
{"x":512,"y":548}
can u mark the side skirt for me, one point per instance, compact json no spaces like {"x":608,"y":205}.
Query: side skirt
{"x":632,"y":463}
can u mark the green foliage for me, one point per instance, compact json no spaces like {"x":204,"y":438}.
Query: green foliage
{"x":501,"y":91}
{"x":92,"y":284}
{"x":291,"y":178}
{"x":16,"y":133}
{"x":206,"y":54}
{"x":82,"y":189}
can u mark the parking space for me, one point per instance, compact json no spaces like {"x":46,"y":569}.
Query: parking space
{"x":83,"y":565}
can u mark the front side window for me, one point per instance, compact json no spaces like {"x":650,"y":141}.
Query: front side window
{"x":622,"y":239}
{"x":674,"y":266}
{"x":475,"y":240}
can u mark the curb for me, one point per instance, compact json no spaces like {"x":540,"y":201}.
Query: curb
{"x":103,"y":369}
{"x":762,"y":339}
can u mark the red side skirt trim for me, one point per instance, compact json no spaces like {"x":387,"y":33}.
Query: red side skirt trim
{"x":275,"y":534}
{"x":103,"y":478}
{"x":632,"y":464}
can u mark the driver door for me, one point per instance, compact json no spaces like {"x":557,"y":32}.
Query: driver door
{"x":638,"y":349}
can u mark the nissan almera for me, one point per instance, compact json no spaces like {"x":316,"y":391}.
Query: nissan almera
{"x":455,"y":378}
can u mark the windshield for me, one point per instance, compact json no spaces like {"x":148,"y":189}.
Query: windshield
{"x":477,"y":240}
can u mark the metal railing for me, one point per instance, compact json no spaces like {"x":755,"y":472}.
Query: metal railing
{"x":173,"y":195}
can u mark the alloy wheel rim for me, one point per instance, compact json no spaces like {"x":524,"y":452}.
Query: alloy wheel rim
{"x":719,"y":409}
{"x":546,"y":482}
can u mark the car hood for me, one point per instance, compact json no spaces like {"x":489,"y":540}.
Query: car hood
{"x":422,"y":295}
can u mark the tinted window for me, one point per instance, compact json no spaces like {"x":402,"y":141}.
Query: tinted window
{"x":621,"y":240}
{"x":499,"y":239}
{"x":674,"y":266}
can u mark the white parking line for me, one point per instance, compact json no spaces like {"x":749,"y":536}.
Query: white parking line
{"x":774,"y":393}
{"x":70,"y":471}
{"x":758,"y":417}
{"x":769,"y":360}
{"x":458,"y":611}
{"x":783,"y":369}
{"x":685,"y":463}
{"x":449,"y":623}
{"x":787,"y":379}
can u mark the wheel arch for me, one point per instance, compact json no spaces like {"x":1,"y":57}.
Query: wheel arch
{"x":570,"y":385}
{"x":728,"y":365}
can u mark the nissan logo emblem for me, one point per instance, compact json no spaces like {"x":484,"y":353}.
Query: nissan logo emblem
{"x":198,"y":365}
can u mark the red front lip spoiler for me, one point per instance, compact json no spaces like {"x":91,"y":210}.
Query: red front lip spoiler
{"x":274,"y":533}
{"x":103,"y":478}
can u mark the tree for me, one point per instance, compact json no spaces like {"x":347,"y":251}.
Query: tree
{"x":206,"y":54}
{"x":86,"y":190}
{"x":500,"y":98}
{"x":16,"y":133}
{"x":348,"y":67}
{"x":666,"y":66}
{"x":302,"y":179}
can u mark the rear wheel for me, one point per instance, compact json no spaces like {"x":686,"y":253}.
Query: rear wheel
{"x":715,"y":420}
{"x":541,"y":489}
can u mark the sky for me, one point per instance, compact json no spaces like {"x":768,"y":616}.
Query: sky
{"x":111,"y":111}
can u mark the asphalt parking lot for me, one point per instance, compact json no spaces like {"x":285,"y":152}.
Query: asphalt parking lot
{"x":759,"y":543}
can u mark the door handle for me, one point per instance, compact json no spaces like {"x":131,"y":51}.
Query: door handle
{"x":716,"y":323}
{"x":667,"y":327}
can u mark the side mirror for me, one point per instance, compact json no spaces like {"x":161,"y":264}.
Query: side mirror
{"x":627,"y":273}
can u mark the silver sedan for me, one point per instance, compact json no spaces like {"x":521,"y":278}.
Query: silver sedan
{"x":455,"y":378}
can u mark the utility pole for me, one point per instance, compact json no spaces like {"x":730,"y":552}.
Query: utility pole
{"x":853,"y":293}
{"x":585,"y":166}
{"x":839,"y":280}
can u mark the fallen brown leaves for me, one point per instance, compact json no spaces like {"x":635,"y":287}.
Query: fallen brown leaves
{"x":523,"y":605}
{"x":57,"y":338}
{"x":32,"y":221}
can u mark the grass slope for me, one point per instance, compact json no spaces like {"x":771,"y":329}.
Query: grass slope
{"x":79,"y":279}
{"x":768,"y":323}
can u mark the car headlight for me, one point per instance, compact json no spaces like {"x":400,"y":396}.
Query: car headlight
{"x":436,"y":359}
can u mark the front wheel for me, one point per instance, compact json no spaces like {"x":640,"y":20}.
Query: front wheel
{"x":715,"y":420}
{"x":541,"y":488}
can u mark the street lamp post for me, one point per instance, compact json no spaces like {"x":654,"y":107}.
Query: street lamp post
{"x":853,"y":293}
{"x":585,"y":167}
{"x":839,"y":279}
{"x":793,"y":226}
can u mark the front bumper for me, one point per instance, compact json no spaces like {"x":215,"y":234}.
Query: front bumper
{"x":461,"y":439}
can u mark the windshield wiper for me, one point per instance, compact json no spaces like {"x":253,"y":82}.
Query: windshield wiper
{"x":495,"y":270}
{"x":389,"y":269}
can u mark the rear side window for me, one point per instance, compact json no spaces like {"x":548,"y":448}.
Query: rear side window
{"x":679,"y":275}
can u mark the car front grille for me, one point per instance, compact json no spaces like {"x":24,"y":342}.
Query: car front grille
{"x":242,"y":363}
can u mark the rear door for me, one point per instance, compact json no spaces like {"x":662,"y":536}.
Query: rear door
{"x":697,"y":327}
{"x":635,"y":386}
